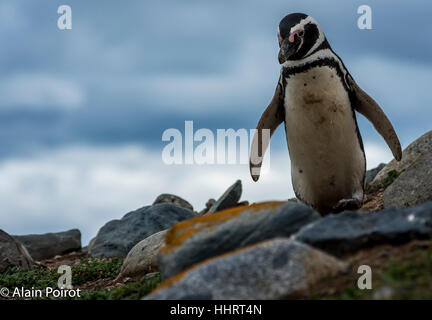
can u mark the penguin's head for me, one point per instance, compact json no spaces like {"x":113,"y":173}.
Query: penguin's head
{"x":299,"y":35}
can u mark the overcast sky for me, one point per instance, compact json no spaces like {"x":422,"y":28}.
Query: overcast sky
{"x":82,"y":111}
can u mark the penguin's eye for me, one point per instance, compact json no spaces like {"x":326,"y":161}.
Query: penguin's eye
{"x":298,"y":33}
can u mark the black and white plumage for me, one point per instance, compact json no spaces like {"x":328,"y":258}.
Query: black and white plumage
{"x":316,"y":98}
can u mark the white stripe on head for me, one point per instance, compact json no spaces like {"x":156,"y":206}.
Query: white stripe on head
{"x":301,"y":25}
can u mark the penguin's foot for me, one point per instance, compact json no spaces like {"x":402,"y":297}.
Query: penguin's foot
{"x":346,"y":204}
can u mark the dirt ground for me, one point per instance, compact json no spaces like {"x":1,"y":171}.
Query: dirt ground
{"x":378,"y":258}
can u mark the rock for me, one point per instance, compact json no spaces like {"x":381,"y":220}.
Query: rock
{"x":274,"y":269}
{"x":90,"y":244}
{"x":13,"y":253}
{"x":170,"y":198}
{"x":209,"y":204}
{"x":243,"y":203}
{"x":151,"y":275}
{"x":384,"y":293}
{"x":142,"y":258}
{"x":413,"y":186}
{"x":372,"y":173}
{"x":49,"y":245}
{"x":229,"y":199}
{"x":351,"y":231}
{"x":207,"y":236}
{"x":417,"y":149}
{"x":117,"y":237}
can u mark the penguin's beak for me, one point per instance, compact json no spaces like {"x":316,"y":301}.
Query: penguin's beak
{"x":281,"y":57}
{"x":290,"y":45}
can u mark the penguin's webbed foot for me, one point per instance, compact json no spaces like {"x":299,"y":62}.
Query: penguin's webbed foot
{"x":346,"y":205}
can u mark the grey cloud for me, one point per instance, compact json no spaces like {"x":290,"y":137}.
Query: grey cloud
{"x":144,"y":66}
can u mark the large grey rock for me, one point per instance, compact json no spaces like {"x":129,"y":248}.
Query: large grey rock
{"x":229,"y":199}
{"x":49,"y":245}
{"x":413,"y":186}
{"x":372,"y":173}
{"x":350,"y":231}
{"x":117,"y":237}
{"x":417,"y":149}
{"x":171,"y":198}
{"x":142,"y":257}
{"x":273,"y":269}
{"x":13,"y":253}
{"x":208,"y":236}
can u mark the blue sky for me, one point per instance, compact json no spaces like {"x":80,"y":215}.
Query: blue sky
{"x":82,"y":111}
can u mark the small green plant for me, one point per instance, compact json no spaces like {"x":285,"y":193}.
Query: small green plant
{"x":387,"y":181}
{"x":391,"y":177}
{"x":91,"y":270}
{"x":36,"y":278}
{"x":39,"y":278}
{"x":130,"y":291}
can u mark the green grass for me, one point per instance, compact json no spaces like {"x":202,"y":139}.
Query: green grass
{"x":88,"y":270}
{"x":408,"y":279}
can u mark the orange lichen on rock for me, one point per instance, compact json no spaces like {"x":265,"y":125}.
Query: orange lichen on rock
{"x":185,"y":229}
{"x":170,"y":281}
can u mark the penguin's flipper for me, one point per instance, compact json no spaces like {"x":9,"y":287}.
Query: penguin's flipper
{"x":372,"y":111}
{"x":272,"y":117}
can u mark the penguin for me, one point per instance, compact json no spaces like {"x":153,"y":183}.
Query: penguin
{"x":316,"y":98}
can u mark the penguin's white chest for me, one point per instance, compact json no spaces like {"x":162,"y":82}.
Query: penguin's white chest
{"x":327,"y":161}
